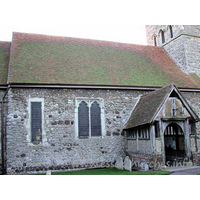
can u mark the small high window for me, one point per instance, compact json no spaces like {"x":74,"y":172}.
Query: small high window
{"x":171,"y":31}
{"x":163,"y":36}
{"x":155,"y":42}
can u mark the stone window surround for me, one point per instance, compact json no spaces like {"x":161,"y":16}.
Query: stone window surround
{"x":44,"y":138}
{"x":89,"y":102}
{"x":162,"y":33}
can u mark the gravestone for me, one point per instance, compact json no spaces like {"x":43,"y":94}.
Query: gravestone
{"x":119,"y":163}
{"x":144,"y":166}
{"x":48,"y":172}
{"x":127,"y":164}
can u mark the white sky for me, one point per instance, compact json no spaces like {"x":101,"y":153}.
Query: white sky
{"x":112,"y":20}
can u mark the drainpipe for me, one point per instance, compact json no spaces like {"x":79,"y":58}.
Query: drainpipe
{"x":2,"y":131}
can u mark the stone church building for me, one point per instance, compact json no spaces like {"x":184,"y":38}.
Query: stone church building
{"x":79,"y":103}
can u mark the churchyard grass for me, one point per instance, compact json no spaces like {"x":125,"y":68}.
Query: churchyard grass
{"x":110,"y":171}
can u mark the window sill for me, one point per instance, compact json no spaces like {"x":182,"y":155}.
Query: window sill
{"x":36,"y":143}
{"x":87,"y":137}
{"x":83,"y":137}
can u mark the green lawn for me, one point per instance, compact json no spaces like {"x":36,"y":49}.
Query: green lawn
{"x":109,"y":171}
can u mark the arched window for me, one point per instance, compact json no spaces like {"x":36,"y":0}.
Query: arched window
{"x":95,"y":120}
{"x":155,"y":42}
{"x":83,"y":119}
{"x":171,"y":31}
{"x":89,"y":118}
{"x":163,"y":36}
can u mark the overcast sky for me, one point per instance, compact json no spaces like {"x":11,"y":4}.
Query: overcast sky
{"x":119,"y":20}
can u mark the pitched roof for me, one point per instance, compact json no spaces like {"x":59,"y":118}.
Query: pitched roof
{"x":148,"y":106}
{"x":41,"y":59}
{"x":4,"y":60}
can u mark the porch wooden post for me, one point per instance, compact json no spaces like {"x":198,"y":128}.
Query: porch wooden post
{"x":162,"y":141}
{"x":153,"y":138}
{"x":187,"y":139}
{"x":137,"y":141}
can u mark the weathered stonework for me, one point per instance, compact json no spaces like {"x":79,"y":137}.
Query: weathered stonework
{"x":63,"y":150}
{"x":155,"y":30}
{"x":2,"y":92}
{"x":193,"y":99}
{"x":185,"y":51}
{"x":183,"y":47}
{"x":62,"y":147}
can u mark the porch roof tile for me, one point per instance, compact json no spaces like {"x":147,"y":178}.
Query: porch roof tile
{"x":147,"y":107}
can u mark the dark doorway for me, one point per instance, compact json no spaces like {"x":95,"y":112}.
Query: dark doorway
{"x":174,"y":144}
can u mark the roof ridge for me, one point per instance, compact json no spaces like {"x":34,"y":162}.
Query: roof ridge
{"x":161,"y":88}
{"x":83,"y":39}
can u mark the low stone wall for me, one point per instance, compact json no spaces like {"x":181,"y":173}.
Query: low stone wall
{"x":141,"y":145}
{"x":61,"y":168}
{"x":196,"y":158}
{"x":154,"y":161}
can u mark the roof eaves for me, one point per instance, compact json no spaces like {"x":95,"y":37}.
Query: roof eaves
{"x":83,"y":86}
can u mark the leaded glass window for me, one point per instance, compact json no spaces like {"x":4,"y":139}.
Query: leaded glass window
{"x":163,"y":36}
{"x":36,"y":122}
{"x":89,"y":117}
{"x":155,"y":42}
{"x":171,"y":31}
{"x":95,"y":120}
{"x":83,"y":119}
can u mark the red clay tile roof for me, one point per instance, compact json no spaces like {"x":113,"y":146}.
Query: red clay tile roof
{"x":4,"y":60}
{"x":61,"y":60}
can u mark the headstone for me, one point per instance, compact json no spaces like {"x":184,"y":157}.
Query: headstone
{"x":144,"y":166}
{"x":119,"y":163}
{"x":127,"y":164}
{"x":48,"y":172}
